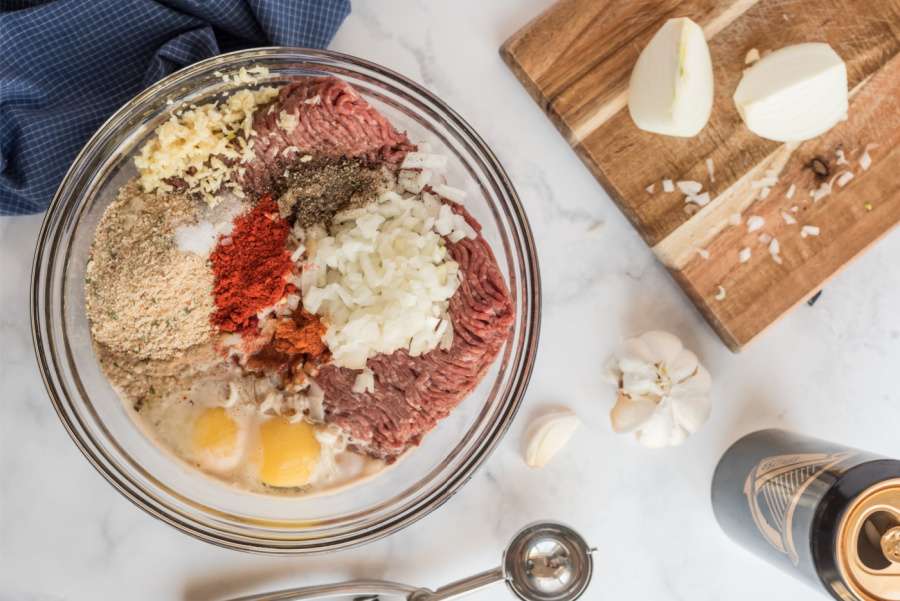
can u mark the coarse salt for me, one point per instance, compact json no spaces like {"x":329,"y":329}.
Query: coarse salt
{"x":650,"y":188}
{"x":711,"y":170}
{"x":764,"y":193}
{"x":790,"y":192}
{"x":745,"y":254}
{"x":704,"y":254}
{"x":720,"y":294}
{"x":765,"y":238}
{"x":788,"y":218}
{"x":668,"y":185}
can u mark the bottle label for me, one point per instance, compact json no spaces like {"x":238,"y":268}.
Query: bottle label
{"x":774,"y":489}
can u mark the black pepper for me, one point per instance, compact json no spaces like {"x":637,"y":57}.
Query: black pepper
{"x":312,"y":191}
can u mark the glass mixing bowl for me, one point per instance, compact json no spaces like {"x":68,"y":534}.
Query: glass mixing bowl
{"x":170,"y":490}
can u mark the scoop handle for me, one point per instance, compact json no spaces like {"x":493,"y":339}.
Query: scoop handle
{"x":459,"y":588}
{"x":360,"y":589}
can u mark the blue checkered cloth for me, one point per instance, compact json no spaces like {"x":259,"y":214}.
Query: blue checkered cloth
{"x":67,"y":65}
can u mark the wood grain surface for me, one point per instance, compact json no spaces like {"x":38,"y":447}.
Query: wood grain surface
{"x":575,"y":61}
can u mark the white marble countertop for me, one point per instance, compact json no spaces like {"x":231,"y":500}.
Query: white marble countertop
{"x":829,"y":371}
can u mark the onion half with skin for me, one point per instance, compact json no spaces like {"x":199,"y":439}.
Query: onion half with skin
{"x":794,"y":94}
{"x":671,"y":86}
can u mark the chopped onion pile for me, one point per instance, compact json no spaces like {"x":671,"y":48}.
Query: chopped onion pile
{"x":382,"y":278}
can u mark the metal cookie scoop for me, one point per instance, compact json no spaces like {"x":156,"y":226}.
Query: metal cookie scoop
{"x":545,"y":561}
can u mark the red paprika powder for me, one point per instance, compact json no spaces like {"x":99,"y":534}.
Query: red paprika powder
{"x":249,"y":267}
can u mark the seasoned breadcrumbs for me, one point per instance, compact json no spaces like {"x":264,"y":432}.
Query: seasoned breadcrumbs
{"x":145,"y":298}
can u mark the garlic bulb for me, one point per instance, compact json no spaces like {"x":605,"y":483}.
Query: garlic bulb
{"x":663,"y":390}
{"x":547,"y":435}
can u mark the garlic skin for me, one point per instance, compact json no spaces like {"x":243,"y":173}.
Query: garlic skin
{"x":547,"y":436}
{"x":795,"y":93}
{"x":663,"y":390}
{"x":671,"y":86}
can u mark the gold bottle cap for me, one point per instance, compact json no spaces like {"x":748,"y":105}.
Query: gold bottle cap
{"x":868,"y":543}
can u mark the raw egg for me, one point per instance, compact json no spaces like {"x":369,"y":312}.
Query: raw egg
{"x":217,"y":439}
{"x":290,"y":452}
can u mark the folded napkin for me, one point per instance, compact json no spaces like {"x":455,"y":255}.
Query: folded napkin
{"x":67,"y":65}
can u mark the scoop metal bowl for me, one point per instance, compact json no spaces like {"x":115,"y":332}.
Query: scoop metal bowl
{"x":546,"y":561}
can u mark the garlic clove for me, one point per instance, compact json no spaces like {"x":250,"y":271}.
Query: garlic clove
{"x":547,"y":435}
{"x":795,"y":93}
{"x":612,"y":371}
{"x":677,"y":436}
{"x":691,"y":412}
{"x":699,"y":383}
{"x":671,"y":86}
{"x":634,"y":354}
{"x":629,"y":414}
{"x":639,"y":384}
{"x":656,"y":431}
{"x":663,"y":346}
{"x":683,"y":366}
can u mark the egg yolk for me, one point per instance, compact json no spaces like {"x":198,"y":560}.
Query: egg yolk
{"x":290,"y":452}
{"x":215,"y":433}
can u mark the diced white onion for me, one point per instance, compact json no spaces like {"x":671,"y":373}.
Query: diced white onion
{"x":422,"y":160}
{"x":382,"y":278}
{"x":689,"y":187}
{"x":414,"y":180}
{"x":365,"y":382}
{"x":755,"y":222}
{"x":809,"y":230}
{"x":450,"y":193}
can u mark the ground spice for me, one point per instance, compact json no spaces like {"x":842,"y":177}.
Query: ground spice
{"x":314,"y":190}
{"x":249,"y":267}
{"x":296,"y":348}
{"x":300,"y":334}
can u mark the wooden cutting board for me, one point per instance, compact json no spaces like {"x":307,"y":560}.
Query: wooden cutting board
{"x":575,"y":61}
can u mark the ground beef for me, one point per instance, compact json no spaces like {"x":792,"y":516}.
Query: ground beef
{"x":413,"y":393}
{"x":322,"y":116}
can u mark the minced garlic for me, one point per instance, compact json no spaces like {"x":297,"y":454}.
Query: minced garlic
{"x":288,"y":121}
{"x":196,"y":144}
